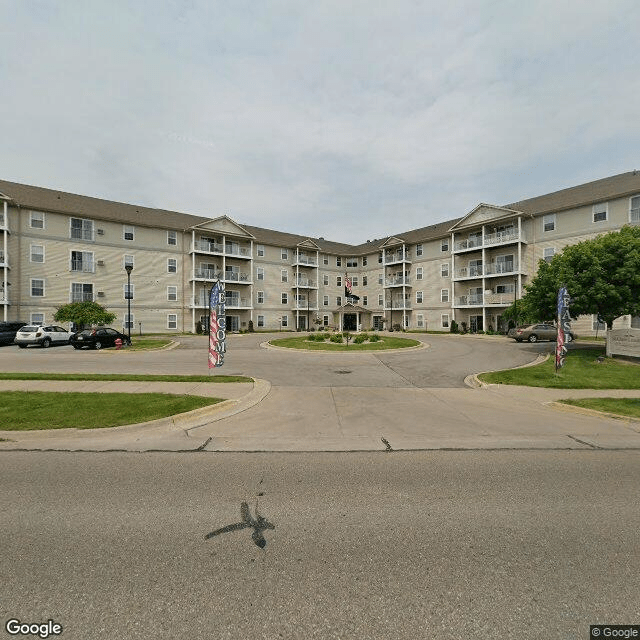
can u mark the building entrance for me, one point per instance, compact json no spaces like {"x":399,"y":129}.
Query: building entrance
{"x":350,"y":322}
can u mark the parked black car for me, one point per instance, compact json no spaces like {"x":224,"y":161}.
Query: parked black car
{"x":98,"y":338}
{"x":8,"y":331}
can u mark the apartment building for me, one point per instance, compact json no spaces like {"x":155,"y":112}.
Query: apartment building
{"x":57,"y":247}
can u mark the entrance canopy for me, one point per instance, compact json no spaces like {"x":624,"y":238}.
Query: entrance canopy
{"x":352,"y":317}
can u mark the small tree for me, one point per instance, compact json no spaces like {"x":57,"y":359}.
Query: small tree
{"x":84,"y":314}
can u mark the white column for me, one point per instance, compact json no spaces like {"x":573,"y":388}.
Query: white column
{"x":6,"y":258}
{"x":193,"y":282}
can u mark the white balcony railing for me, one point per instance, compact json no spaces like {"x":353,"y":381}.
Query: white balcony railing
{"x":470,"y":300}
{"x":237,"y":303}
{"x":207,"y":274}
{"x":502,"y":237}
{"x":306,"y":260}
{"x":397,"y":256}
{"x":235,"y":276}
{"x":501,"y":268}
{"x":398,"y":304}
{"x":208,"y":247}
{"x":397,"y":281}
{"x":498,"y":298}
{"x":241,"y":252}
{"x":474,"y":271}
{"x":304,"y":282}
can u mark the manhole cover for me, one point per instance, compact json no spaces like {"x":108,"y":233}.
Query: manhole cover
{"x":343,"y":371}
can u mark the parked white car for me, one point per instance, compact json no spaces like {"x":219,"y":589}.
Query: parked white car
{"x":44,"y":336}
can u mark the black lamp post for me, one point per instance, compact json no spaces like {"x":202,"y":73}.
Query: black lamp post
{"x":515,"y":299}
{"x":129,"y":269}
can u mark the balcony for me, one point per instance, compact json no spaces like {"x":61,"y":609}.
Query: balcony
{"x":204,"y":246}
{"x":397,"y":281}
{"x":464,"y":273}
{"x":467,"y":245}
{"x":82,"y":266}
{"x":306,"y":283}
{"x":236,"y":251}
{"x":235,"y":302}
{"x":305,"y":261}
{"x":207,"y":274}
{"x":398,"y":304}
{"x":303,"y":307}
{"x":501,"y":268}
{"x":499,"y":299}
{"x":236,"y":276}
{"x":474,"y":300}
{"x":490,"y":240}
{"x":394,"y":257}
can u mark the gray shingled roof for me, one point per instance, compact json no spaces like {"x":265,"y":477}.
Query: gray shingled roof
{"x":42,"y":199}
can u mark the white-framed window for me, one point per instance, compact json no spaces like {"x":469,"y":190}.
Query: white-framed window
{"x":444,"y":269}
{"x":600,"y":212}
{"x":172,"y":265}
{"x":260,"y":322}
{"x":82,"y":262}
{"x":260,"y":273}
{"x":284,"y":275}
{"x":418,"y":297}
{"x":444,"y":245}
{"x":325,"y":260}
{"x":172,"y":321}
{"x":36,"y":318}
{"x":597,"y":326}
{"x":420,"y":321}
{"x":418,"y":250}
{"x":444,"y":295}
{"x":127,"y":291}
{"x":325,"y":321}
{"x":128,"y":232}
{"x":380,"y":258}
{"x":37,"y":288}
{"x":444,"y":320}
{"x":284,"y":254}
{"x":365,"y":281}
{"x":172,"y":238}
{"x":81,"y":292}
{"x":352,"y":263}
{"x":549,"y":222}
{"x":36,"y":221}
{"x":127,"y":260}
{"x":285,"y":298}
{"x":419,"y":273}
{"x":325,"y":301}
{"x":128,"y":320}
{"x":285,"y":321}
{"x":549,"y":252}
{"x":338,"y":261}
{"x":634,"y":209}
{"x":354,"y":281}
{"x":338,"y":281}
{"x":80,"y":229}
{"x":260,"y":250}
{"x":380,"y":278}
{"x":364,"y":261}
{"x":37,"y":253}
{"x":172,"y":293}
{"x":365,"y":301}
{"x":339,"y":300}
{"x":260,"y":297}
{"x":380,"y":299}
{"x":325,"y":279}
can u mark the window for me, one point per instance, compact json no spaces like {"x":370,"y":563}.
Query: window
{"x":172,"y":238}
{"x":505,"y":288}
{"x":444,"y":245}
{"x":172,"y":265}
{"x":325,"y":321}
{"x":380,"y":278}
{"x":549,"y":252}
{"x":420,"y":321}
{"x":172,"y":294}
{"x":37,"y":318}
{"x":364,"y":261}
{"x":128,"y":321}
{"x":325,"y":260}
{"x":81,"y":229}
{"x":597,"y":326}
{"x":127,"y":232}
{"x":128,"y":291}
{"x":172,"y":321}
{"x":339,"y":300}
{"x":37,"y":253}
{"x":365,"y":301}
{"x":284,"y":275}
{"x":380,"y":299}
{"x":444,"y":295}
{"x":338,"y":261}
{"x":284,"y":254}
{"x":37,"y":288}
{"x":365,"y":281}
{"x":36,"y":221}
{"x":260,"y":321}
{"x":444,"y":269}
{"x":354,"y":281}
{"x":127,"y":260}
{"x":419,"y":273}
{"x":549,"y":222}
{"x":82,"y":262}
{"x":325,"y":301}
{"x":338,"y":281}
{"x":600,"y":212}
{"x":325,"y":279}
{"x":380,"y":258}
{"x":285,"y":321}
{"x":260,"y":250}
{"x":444,"y":320}
{"x":260,"y":273}
{"x":418,"y":297}
{"x":418,"y":250}
{"x":81,"y":292}
{"x":285,"y":298}
{"x":352,"y":262}
{"x":260,"y":297}
{"x":635,"y":322}
{"x":634,"y":209}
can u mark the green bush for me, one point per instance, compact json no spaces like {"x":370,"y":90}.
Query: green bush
{"x":359,"y":339}
{"x":374,"y":338}
{"x":336,"y":338}
{"x":453,"y":327}
{"x":311,"y":337}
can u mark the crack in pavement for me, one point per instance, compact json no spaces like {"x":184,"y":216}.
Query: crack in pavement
{"x":593,"y":446}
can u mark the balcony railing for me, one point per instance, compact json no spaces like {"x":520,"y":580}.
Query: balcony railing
{"x":474,"y":271}
{"x":82,"y":266}
{"x":306,"y":260}
{"x":397,"y":256}
{"x":208,"y":247}
{"x":398,"y":281}
{"x":501,"y":268}
{"x":489,"y":240}
{"x":235,"y":276}
{"x":207,"y":274}
{"x":304,"y":282}
{"x":501,"y":237}
{"x":237,"y":303}
{"x":470,"y":300}
{"x":499,"y":298}
{"x":398,"y":304}
{"x":242,"y":252}
{"x":469,"y":243}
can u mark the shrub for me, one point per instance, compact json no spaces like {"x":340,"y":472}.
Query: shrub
{"x":311,"y":337}
{"x":336,"y":338}
{"x":374,"y":338}
{"x":397,"y":327}
{"x":199,"y":327}
{"x":480,"y":331}
{"x":251,"y":329}
{"x":453,"y":327}
{"x":359,"y":339}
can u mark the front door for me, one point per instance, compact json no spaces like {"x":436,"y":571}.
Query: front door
{"x":350,"y":322}
{"x":302,"y":323}
{"x":233,"y":323}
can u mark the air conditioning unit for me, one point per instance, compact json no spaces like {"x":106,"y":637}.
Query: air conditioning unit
{"x":100,"y":294}
{"x":100,"y":232}
{"x":101,"y":263}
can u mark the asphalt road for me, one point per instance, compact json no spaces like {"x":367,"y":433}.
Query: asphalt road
{"x":440,"y":544}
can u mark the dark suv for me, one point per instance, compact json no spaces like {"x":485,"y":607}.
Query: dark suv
{"x":8,"y":331}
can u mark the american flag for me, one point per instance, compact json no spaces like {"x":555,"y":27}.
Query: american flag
{"x":214,"y":356}
{"x":347,"y":285}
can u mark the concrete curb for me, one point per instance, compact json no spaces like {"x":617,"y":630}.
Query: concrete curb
{"x":423,"y":345}
{"x":475,"y":383}
{"x":561,"y":406}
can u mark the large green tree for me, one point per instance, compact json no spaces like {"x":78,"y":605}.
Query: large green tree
{"x":602,"y":276}
{"x":84,"y":314}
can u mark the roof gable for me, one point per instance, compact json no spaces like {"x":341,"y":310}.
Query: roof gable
{"x":308,"y":244}
{"x":392,"y":241}
{"x":225,"y":225}
{"x":484,"y":213}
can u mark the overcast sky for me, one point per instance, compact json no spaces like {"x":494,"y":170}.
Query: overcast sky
{"x":350,"y":120}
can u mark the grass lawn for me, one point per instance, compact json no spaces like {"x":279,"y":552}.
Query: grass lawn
{"x":383,"y":344}
{"x":120,"y":376}
{"x":29,"y":410}
{"x":581,"y":371}
{"x":148,"y":343}
{"x":629,"y":407}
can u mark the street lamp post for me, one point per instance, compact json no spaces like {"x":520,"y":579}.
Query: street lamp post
{"x":129,"y":269}
{"x":515,"y":299}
